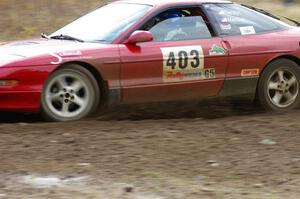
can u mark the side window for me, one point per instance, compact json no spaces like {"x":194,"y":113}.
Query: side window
{"x":178,"y":24}
{"x":233,"y":19}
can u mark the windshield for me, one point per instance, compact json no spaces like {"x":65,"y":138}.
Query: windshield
{"x":106,"y":23}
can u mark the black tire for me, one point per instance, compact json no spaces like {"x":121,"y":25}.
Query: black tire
{"x":88,"y":94}
{"x":275,"y":93}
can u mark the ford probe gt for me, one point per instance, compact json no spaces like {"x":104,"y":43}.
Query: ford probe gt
{"x":132,"y":51}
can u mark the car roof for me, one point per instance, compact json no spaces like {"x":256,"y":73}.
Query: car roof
{"x":168,"y":2}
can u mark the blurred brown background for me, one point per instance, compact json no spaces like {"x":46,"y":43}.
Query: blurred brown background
{"x":25,"y":19}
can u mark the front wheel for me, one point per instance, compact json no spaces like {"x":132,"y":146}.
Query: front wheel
{"x":278,"y":88}
{"x":70,"y":93}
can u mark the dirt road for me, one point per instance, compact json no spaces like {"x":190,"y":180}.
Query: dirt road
{"x":162,"y":151}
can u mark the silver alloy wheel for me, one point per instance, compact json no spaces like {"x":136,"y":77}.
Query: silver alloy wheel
{"x":67,"y":95}
{"x":283,"y":88}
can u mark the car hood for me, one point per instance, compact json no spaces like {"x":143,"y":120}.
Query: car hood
{"x":41,"y":50}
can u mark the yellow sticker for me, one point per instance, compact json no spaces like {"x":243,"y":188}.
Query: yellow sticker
{"x":185,"y":63}
{"x":250,"y":72}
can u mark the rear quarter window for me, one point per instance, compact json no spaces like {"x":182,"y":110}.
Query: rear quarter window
{"x":234,"y":19}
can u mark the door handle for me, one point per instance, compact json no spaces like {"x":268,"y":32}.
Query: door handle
{"x":226,"y":45}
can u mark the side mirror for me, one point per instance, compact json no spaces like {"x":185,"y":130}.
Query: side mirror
{"x":140,"y":36}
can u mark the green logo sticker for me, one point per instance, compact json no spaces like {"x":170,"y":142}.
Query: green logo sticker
{"x":216,"y":50}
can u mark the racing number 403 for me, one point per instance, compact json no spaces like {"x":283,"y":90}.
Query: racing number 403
{"x":184,"y":59}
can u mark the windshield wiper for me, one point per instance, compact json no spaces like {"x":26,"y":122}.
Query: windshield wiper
{"x":270,"y":15}
{"x":66,"y":37}
{"x":100,"y":41}
{"x":293,"y":21}
{"x":45,"y":36}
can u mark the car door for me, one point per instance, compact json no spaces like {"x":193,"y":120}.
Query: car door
{"x":183,"y":62}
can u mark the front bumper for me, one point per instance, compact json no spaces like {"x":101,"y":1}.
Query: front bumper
{"x":24,"y":97}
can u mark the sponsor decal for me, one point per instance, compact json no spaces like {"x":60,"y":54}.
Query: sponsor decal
{"x":225,"y":26}
{"x":70,"y":53}
{"x":59,"y":59}
{"x":247,"y":30}
{"x":185,"y":63}
{"x":250,"y":72}
{"x":66,"y":56}
{"x":225,"y":20}
{"x":202,"y":74}
{"x":216,"y":50}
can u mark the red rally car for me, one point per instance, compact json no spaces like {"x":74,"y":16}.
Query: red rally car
{"x":134,"y":51}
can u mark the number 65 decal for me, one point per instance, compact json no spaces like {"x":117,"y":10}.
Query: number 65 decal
{"x":185,"y":63}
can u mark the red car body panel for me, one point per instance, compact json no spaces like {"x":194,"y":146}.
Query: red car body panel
{"x":256,"y":51}
{"x":133,"y":73}
{"x":37,"y":59}
{"x":26,"y":95}
{"x":142,"y":67}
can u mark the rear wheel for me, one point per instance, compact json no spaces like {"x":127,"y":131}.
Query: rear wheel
{"x":70,"y":93}
{"x":279,"y":85}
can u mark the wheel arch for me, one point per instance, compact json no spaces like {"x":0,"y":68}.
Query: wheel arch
{"x":102,"y":84}
{"x":287,"y":56}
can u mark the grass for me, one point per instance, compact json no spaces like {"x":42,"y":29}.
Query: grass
{"x":27,"y":19}
{"x":276,"y":7}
